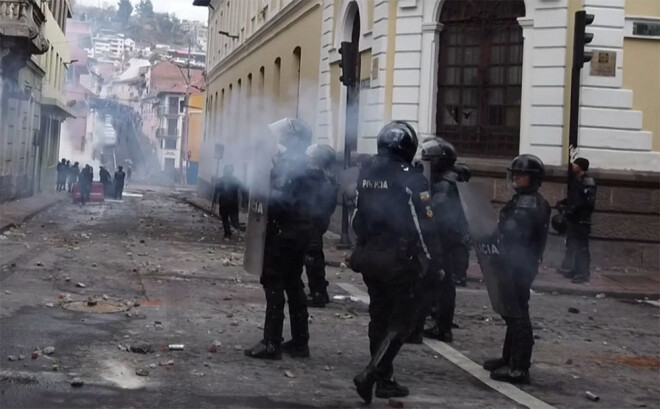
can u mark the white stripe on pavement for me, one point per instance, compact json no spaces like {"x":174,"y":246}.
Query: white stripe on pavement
{"x":653,"y":302}
{"x":463,"y":362}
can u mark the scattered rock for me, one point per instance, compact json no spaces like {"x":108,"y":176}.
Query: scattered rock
{"x":230,"y":315}
{"x":234,"y":324}
{"x":80,"y":285}
{"x":55,"y":367}
{"x":573,"y":310}
{"x":600,"y":295}
{"x":40,"y":264}
{"x":289,"y":374}
{"x":166,"y":363}
{"x":128,"y":314}
{"x":213,"y":349}
{"x":12,"y":358}
{"x":142,"y":348}
{"x":21,"y":357}
{"x":327,"y":368}
{"x":94,"y":265}
{"x":7,"y":292}
{"x":226,"y":262}
{"x":122,"y":348}
{"x":91,"y":303}
{"x":569,"y":362}
{"x":67,"y":279}
{"x":342,"y":265}
{"x":48,"y":350}
{"x":35,"y":354}
{"x":142,"y":241}
{"x":238,"y":347}
{"x":77,"y":382}
{"x":141,"y":372}
{"x":105,"y":296}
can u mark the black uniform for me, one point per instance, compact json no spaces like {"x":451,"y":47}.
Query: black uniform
{"x":393,"y":224}
{"x":85,"y":183}
{"x":62,"y":173}
{"x":523,"y":229}
{"x":452,"y":230}
{"x":74,"y":173}
{"x":578,"y":208}
{"x":105,"y":179}
{"x":119,"y":183}
{"x":226,"y":195}
{"x":327,"y":188}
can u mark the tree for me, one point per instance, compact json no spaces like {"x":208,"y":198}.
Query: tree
{"x":145,"y":9}
{"x":124,"y":11}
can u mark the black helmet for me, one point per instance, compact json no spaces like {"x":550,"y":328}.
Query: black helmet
{"x":398,"y":138}
{"x":292,"y":133}
{"x":320,"y":155}
{"x":437,"y":147}
{"x":528,"y":165}
{"x":559,"y":223}
{"x":463,"y":171}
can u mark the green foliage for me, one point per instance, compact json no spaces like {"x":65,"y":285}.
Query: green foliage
{"x":124,"y":11}
{"x":145,"y":9}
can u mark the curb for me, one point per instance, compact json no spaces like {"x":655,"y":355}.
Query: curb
{"x":200,"y":207}
{"x":30,"y":215}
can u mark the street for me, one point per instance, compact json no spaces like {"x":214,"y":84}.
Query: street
{"x":100,"y":281}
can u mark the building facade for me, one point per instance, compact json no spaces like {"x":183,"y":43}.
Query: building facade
{"x":111,"y":44}
{"x":492,"y":77}
{"x":264,"y":67}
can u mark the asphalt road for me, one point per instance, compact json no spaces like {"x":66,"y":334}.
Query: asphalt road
{"x":170,"y":258}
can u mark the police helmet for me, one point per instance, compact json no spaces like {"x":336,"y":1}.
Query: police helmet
{"x":527,"y":164}
{"x":321,"y":155}
{"x":559,"y":223}
{"x":463,"y":171}
{"x":292,"y":133}
{"x":398,"y":138}
{"x":438,"y":148}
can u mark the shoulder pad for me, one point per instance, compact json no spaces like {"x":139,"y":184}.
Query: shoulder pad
{"x":588,"y":181}
{"x":527,"y":201}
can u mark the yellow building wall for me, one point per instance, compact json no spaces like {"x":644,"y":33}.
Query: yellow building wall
{"x":641,"y":69}
{"x":195,"y":104}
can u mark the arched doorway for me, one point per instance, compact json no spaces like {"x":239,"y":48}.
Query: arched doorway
{"x":480,"y":76}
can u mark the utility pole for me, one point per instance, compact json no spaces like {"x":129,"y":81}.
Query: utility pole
{"x":185,"y":124}
{"x":580,"y":39}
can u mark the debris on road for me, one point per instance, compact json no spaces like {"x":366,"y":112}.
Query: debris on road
{"x":289,"y":374}
{"x":105,"y":297}
{"x":573,"y":310}
{"x":142,"y":349}
{"x":350,"y":298}
{"x":40,"y":264}
{"x":175,"y":347}
{"x":49,"y":305}
{"x":12,"y":358}
{"x":166,"y":363}
{"x":122,"y":348}
{"x":141,"y":372}
{"x":592,"y":396}
{"x":600,"y":295}
{"x":21,"y":357}
{"x":80,"y":285}
{"x":91,"y":302}
{"x":7,"y":292}
{"x":48,"y":350}
{"x":152,"y":366}
{"x":35,"y":354}
{"x":55,"y":367}
{"x":77,"y":382}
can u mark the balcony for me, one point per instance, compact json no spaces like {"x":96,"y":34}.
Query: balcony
{"x":22,"y":25}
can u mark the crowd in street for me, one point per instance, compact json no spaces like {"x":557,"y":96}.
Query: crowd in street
{"x":69,"y":176}
{"x":413,"y":233}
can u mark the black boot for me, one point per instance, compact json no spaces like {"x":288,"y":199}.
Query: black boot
{"x":390,"y":388}
{"x":435,"y":333}
{"x":364,"y":383}
{"x":295,"y":350}
{"x":317,"y":300}
{"x":506,"y":374}
{"x":580,"y":279}
{"x":264,"y":350}
{"x":494,"y":364}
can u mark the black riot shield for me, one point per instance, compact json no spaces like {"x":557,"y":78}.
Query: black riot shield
{"x":482,"y":225}
{"x":255,"y":234}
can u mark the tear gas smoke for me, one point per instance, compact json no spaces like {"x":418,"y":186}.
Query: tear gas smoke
{"x":73,"y":149}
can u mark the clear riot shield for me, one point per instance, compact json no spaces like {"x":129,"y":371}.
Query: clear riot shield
{"x":482,"y":225}
{"x":255,"y":233}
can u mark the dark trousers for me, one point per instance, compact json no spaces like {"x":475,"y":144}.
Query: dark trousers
{"x":391,"y":311}
{"x":577,"y":260}
{"x":315,"y":264}
{"x":119,"y":189}
{"x":85,"y":191}
{"x":519,"y":339}
{"x":284,"y":255}
{"x":229,"y":219}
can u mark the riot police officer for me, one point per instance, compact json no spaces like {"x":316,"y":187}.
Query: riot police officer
{"x":395,"y":238}
{"x":577,"y":208}
{"x":440,"y":157}
{"x":523,"y":229}
{"x":321,"y":160}
{"x":288,"y":232}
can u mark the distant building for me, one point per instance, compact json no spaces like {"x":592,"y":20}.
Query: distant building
{"x":163,"y":109}
{"x":197,"y":58}
{"x":111,"y":44}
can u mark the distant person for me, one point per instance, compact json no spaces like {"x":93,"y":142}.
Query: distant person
{"x":62,"y":171}
{"x":106,"y":181}
{"x":85,"y":184}
{"x":578,"y":207}
{"x":226,"y":196}
{"x":119,"y":182}
{"x":74,"y":173}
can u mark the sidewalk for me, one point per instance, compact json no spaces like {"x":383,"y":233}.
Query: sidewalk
{"x":18,"y":211}
{"x":614,"y":283}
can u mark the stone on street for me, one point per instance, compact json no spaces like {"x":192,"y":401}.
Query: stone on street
{"x":184,"y":291}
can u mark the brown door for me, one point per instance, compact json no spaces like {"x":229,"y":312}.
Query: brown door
{"x":480,"y":76}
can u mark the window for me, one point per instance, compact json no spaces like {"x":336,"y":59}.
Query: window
{"x":642,"y":27}
{"x":173,"y":105}
{"x":276,"y":76}
{"x":172,"y":127}
{"x":297,"y":55}
{"x":170,"y":143}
